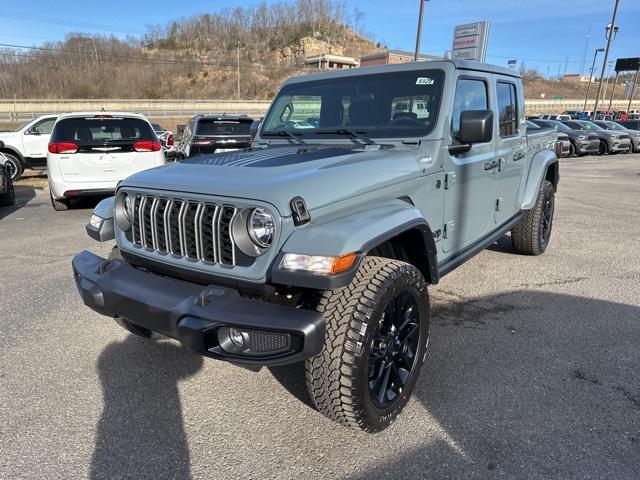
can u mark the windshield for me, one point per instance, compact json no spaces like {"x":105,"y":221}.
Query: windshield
{"x":390,"y":105}
{"x":223,"y":127}
{"x":22,"y":125}
{"x":590,"y":126}
{"x":561,"y":127}
{"x":101,"y":130}
{"x":613,"y":126}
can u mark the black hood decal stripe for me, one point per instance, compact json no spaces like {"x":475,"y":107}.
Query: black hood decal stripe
{"x":274,"y":156}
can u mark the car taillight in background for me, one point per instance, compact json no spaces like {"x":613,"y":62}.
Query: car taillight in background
{"x":147,"y":146}
{"x":170,"y":141}
{"x":62,"y":147}
{"x":558,"y":149}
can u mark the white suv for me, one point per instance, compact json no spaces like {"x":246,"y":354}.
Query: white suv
{"x":26,"y":146}
{"x":89,"y":153}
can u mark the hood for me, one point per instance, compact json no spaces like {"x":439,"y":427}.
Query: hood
{"x":320,"y":174}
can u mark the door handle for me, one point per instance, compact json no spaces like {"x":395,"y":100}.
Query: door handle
{"x":491,"y":165}
{"x":517,"y":156}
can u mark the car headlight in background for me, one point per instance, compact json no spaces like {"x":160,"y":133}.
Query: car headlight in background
{"x":582,"y":137}
{"x":261,"y":227}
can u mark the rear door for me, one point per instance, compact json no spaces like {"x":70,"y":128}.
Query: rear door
{"x":470,"y":178}
{"x":511,"y":147}
{"x":108,"y":148}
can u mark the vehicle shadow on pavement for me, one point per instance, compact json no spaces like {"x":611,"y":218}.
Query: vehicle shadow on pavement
{"x":525,"y":384}
{"x":141,"y":433}
{"x":23,"y":196}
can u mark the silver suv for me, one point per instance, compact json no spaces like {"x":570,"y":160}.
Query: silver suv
{"x":318,"y":243}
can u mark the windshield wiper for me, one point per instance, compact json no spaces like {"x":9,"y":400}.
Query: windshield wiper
{"x":357,"y":134}
{"x":285,"y":133}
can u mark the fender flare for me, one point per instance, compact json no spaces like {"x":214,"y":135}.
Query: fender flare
{"x":540,"y":164}
{"x":11,"y":150}
{"x":359,"y":232}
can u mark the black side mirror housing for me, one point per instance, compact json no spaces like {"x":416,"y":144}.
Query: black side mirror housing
{"x":476,"y":126}
{"x":33,"y":131}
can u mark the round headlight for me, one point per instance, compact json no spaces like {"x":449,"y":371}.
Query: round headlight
{"x":261,"y":227}
{"x":127,"y":203}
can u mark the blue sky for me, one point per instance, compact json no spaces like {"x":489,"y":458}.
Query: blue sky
{"x":542,"y":33}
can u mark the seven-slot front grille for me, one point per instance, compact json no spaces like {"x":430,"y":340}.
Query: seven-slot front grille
{"x":199,"y":231}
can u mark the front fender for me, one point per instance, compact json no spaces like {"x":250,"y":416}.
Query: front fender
{"x":358,"y":231}
{"x":105,"y":210}
{"x":540,"y":164}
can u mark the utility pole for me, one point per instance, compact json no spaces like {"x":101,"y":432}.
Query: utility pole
{"x":606,"y":84}
{"x":633,"y":90}
{"x":593,"y":67}
{"x":566,"y":64}
{"x":416,"y":55}
{"x":238,"y":56}
{"x":584,"y":54}
{"x":610,"y":33}
{"x":613,"y":91}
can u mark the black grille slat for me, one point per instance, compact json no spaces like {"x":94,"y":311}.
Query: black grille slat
{"x":186,"y":228}
{"x":174,"y":227}
{"x":225,"y":243}
{"x":146,"y":222}
{"x":207,"y":227}
{"x":189,"y":229}
{"x":160,"y":224}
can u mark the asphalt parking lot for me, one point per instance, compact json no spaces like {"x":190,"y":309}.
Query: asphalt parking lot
{"x":533,"y":369}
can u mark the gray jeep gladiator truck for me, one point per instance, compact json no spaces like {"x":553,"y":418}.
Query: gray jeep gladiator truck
{"x":318,"y":242}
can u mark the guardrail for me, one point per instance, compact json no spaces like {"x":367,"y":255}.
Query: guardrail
{"x":26,"y":109}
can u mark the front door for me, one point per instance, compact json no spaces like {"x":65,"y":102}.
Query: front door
{"x":36,"y":140}
{"x":471,"y":178}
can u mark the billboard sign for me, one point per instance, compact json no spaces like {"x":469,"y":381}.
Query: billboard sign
{"x":470,"y":41}
{"x":627,"y":64}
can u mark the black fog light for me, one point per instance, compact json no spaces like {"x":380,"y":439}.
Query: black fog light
{"x":240,"y":341}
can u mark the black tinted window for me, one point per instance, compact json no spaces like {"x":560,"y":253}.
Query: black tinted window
{"x":99,"y":130}
{"x":223,"y":127}
{"x":507,"y":109}
{"x":470,"y":95}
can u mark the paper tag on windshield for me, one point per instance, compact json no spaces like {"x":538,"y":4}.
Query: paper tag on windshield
{"x":424,"y":81}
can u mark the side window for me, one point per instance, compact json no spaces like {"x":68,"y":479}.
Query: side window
{"x":507,"y":109}
{"x":45,"y":126}
{"x":471,"y":94}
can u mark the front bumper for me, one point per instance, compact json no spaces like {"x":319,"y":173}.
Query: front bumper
{"x":620,"y":145}
{"x":588,"y":146}
{"x":193,"y":314}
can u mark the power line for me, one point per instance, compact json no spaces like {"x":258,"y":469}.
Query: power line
{"x":66,"y":22}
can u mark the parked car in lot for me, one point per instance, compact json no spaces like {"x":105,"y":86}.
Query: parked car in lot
{"x":630,"y":124}
{"x":582,"y":142}
{"x":165,"y":136}
{"x":610,"y":141}
{"x":616,"y":127}
{"x":7,"y":193}
{"x":575,"y":115}
{"x":90,"y":152}
{"x":317,"y":244}
{"x":563,"y":139}
{"x":214,"y":134}
{"x":26,"y":146}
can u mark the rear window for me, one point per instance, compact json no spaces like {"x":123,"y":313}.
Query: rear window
{"x":223,"y":127}
{"x":101,"y":131}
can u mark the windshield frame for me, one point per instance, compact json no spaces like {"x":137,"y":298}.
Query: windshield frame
{"x":376,"y":132}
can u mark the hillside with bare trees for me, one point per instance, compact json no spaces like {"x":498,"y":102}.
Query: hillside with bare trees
{"x":195,"y":57}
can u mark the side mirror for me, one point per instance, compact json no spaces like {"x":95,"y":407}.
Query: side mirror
{"x":476,"y":126}
{"x":34,"y":131}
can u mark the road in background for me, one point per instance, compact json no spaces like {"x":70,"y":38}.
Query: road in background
{"x":533,"y":369}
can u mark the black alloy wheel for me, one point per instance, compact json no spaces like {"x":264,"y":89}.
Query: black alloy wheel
{"x":546,"y":219}
{"x":392,"y":356}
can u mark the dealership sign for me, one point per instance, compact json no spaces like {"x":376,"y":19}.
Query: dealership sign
{"x":470,"y":41}
{"x":627,"y":64}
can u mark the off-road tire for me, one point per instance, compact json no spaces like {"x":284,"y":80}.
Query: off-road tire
{"x":8,"y":199}
{"x":115,"y":254}
{"x":338,"y":378}
{"x":529,"y":236}
{"x":16,"y":166}
{"x":59,"y":205}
